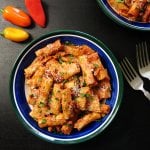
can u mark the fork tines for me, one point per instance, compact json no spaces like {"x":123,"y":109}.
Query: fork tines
{"x":134,"y":80}
{"x":142,"y":54}
{"x":127,"y":69}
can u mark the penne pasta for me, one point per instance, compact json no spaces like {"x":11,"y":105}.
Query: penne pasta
{"x":44,"y":91}
{"x":87,"y":70}
{"x":67,"y":104}
{"x":67,"y":85}
{"x":134,"y":10}
{"x":49,"y":49}
{"x":55,"y":99}
{"x":86,"y":119}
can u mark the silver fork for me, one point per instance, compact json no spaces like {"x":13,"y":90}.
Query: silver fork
{"x":132,"y":77}
{"x":143,"y":61}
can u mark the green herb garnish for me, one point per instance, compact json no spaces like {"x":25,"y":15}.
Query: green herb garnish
{"x":68,"y":43}
{"x":84,"y":84}
{"x":41,"y":104}
{"x":60,"y":59}
{"x":43,"y":121}
{"x":120,"y":1}
{"x":96,"y":65}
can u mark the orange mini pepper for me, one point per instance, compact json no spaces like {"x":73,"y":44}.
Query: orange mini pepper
{"x":16,"y":16}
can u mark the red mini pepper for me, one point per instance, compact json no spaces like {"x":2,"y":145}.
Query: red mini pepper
{"x":16,"y":16}
{"x":36,"y":11}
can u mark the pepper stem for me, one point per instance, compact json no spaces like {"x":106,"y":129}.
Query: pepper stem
{"x":1,"y":10}
{"x":2,"y":33}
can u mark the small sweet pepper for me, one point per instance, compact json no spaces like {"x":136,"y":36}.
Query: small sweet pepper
{"x":15,"y":34}
{"x":36,"y":11}
{"x":16,"y":16}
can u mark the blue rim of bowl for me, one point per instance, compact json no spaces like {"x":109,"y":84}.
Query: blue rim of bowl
{"x":107,"y":121}
{"x":122,"y":20}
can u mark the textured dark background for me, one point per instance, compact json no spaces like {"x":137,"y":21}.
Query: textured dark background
{"x":131,"y":127}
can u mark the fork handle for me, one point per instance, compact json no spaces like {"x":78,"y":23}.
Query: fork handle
{"x":146,"y":93}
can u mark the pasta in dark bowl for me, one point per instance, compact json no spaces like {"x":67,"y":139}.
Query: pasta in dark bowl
{"x":134,"y":14}
{"x":66,"y":87}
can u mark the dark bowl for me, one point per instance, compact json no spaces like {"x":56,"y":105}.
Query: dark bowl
{"x":17,"y":86}
{"x":107,"y":9}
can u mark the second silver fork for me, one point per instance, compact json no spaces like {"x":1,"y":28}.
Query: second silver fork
{"x":132,"y":77}
{"x":143,"y":61}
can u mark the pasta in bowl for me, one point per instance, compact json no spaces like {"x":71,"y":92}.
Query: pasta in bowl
{"x":134,"y":14}
{"x":67,"y":82}
{"x":66,"y":87}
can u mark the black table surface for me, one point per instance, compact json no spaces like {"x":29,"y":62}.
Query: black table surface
{"x":130,"y":128}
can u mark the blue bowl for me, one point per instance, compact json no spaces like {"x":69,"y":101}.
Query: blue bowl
{"x":122,"y":20}
{"x":17,"y":86}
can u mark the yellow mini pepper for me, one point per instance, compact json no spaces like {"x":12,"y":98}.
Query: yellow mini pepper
{"x":15,"y":34}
